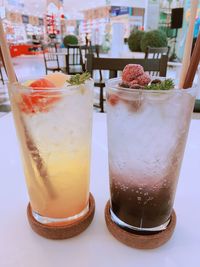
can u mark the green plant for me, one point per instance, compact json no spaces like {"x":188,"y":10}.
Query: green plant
{"x":105,"y":47}
{"x":79,"y":78}
{"x":161,"y":85}
{"x":134,"y":40}
{"x":155,"y":38}
{"x":70,"y":40}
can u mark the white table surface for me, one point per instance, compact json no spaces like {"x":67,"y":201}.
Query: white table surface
{"x":21,"y":247}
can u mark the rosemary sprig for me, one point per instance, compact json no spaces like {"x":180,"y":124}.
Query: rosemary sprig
{"x":163,"y":85}
{"x":79,"y":78}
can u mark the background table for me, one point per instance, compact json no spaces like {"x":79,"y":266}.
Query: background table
{"x":21,"y":247}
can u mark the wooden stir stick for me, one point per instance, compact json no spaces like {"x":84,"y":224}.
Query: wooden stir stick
{"x":193,"y":65}
{"x":32,"y":148}
{"x":188,"y":43}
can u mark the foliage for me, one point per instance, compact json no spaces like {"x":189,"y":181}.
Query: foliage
{"x":105,"y":47}
{"x":134,"y":40}
{"x":79,"y":78}
{"x":161,"y":85}
{"x":70,"y":40}
{"x":155,"y":38}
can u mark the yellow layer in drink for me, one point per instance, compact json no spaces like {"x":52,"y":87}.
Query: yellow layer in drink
{"x":66,"y":192}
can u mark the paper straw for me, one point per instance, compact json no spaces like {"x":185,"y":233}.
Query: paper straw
{"x":188,"y":43}
{"x":28,"y":139}
{"x":6,"y":55}
{"x":193,"y":65}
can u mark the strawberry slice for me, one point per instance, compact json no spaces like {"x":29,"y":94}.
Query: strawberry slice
{"x":39,"y":101}
{"x":113,"y":99}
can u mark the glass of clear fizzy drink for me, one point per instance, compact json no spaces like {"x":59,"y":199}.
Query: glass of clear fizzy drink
{"x":54,"y":126}
{"x":147,"y":132}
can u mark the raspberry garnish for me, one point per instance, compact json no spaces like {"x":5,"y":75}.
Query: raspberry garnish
{"x":131,"y":72}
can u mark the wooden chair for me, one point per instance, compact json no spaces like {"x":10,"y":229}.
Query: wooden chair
{"x":74,"y":60}
{"x":156,"y":52}
{"x":113,"y":65}
{"x":51,"y":58}
{"x":89,"y":49}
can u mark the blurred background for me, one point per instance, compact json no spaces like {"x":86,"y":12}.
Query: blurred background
{"x":119,"y":28}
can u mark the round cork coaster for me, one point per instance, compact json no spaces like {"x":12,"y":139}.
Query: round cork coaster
{"x":63,"y":231}
{"x":139,"y":241}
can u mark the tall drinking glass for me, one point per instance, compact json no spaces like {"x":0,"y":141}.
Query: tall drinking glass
{"x":54,"y":131}
{"x":147,"y":132}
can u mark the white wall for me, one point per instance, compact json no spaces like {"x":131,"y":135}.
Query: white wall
{"x":152,"y":13}
{"x":87,"y":4}
{"x":72,"y":6}
{"x":130,"y":3}
{"x":117,"y":43}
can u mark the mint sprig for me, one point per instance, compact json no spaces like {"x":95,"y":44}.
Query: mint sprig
{"x":163,"y":85}
{"x":79,"y":78}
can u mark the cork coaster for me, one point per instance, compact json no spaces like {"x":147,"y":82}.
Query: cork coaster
{"x":139,"y":241}
{"x":63,"y":231}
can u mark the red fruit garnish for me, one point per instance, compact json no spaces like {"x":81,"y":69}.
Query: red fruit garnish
{"x":42,"y":83}
{"x":131,"y":72}
{"x":39,"y":101}
{"x":113,"y":99}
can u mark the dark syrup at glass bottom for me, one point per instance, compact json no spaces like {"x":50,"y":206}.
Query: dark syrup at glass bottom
{"x":142,"y":211}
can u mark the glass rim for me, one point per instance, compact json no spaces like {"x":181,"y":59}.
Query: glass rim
{"x":114,"y":85}
{"x":30,"y":89}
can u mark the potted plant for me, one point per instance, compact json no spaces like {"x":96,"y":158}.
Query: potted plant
{"x":155,"y":38}
{"x":70,"y":39}
{"x":134,"y":40}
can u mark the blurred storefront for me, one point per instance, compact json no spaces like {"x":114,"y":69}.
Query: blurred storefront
{"x":175,"y":35}
{"x":98,"y":23}
{"x":24,"y":31}
{"x":55,"y":22}
{"x":183,"y":31}
{"x":19,"y":29}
